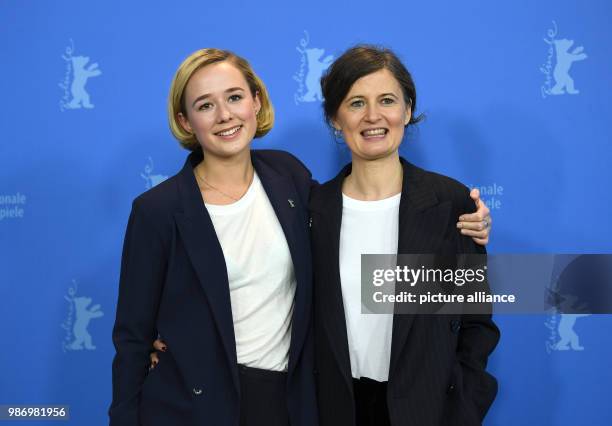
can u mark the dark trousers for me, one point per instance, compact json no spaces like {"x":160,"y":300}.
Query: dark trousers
{"x":371,"y":402}
{"x":263,"y":397}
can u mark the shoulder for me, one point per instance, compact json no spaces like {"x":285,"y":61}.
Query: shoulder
{"x":445,"y":188}
{"x":329,"y":192}
{"x":320,"y":195}
{"x":282,"y":162}
{"x":158,"y":204}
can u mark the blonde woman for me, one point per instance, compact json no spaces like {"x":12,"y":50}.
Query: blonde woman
{"x":216,"y":260}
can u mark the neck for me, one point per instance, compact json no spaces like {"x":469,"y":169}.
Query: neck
{"x":229,"y":172}
{"x":372,"y":180}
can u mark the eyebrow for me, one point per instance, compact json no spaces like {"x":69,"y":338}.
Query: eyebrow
{"x":206,"y":95}
{"x":380,"y":96}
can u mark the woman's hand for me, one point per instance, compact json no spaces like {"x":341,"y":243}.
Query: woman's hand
{"x":159,"y":346}
{"x":478,"y":224}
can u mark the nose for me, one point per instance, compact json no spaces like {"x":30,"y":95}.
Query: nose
{"x":372,"y":114}
{"x":223,"y":113}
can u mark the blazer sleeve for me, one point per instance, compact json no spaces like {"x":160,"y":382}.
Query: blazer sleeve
{"x":143,"y":267}
{"x":478,"y":337}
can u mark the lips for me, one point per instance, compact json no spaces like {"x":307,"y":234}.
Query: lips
{"x":229,"y":132}
{"x":377,"y":132}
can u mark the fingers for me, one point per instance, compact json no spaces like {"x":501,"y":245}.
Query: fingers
{"x":476,"y":224}
{"x":480,"y":237}
{"x":154,"y":360}
{"x":476,"y":217}
{"x":480,"y":214}
{"x":481,"y":241}
{"x":479,"y":231}
{"x":475,"y":195}
{"x":159,"y":345}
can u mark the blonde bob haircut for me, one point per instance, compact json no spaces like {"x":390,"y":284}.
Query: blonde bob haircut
{"x":200,"y":59}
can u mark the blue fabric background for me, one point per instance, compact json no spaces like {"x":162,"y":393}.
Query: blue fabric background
{"x":68,"y":175}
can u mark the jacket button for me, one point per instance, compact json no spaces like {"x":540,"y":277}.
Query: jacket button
{"x":451,"y":389}
{"x":197,"y":391}
{"x":455,"y":326}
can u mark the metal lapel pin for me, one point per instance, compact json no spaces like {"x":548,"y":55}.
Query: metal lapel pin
{"x":291,"y":203}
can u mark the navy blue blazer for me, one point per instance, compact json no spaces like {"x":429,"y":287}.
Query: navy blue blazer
{"x":174,"y":282}
{"x":437,"y":371}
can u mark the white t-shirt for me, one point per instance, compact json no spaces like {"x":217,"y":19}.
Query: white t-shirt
{"x":368,"y":227}
{"x":261,"y":278}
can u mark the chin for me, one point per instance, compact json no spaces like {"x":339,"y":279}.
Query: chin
{"x":226,"y":150}
{"x":236,"y":152}
{"x":376,"y":154}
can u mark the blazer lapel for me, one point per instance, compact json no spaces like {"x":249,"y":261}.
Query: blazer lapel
{"x":204,"y":250}
{"x":290,"y":213}
{"x":417,"y":212}
{"x":414,"y":237}
{"x":329,"y":204}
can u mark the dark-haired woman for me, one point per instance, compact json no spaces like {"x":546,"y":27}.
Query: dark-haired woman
{"x":378,"y":370}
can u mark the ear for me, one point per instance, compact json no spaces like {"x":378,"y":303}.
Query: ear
{"x":336,"y":125}
{"x":408,"y":115}
{"x":184,"y":122}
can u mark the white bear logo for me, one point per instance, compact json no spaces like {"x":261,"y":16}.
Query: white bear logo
{"x":82,"y":338}
{"x":151,"y":179}
{"x":568,"y":337}
{"x":563,"y":82}
{"x":311,"y":68}
{"x":559,"y":48}
{"x":80,"y":97}
{"x":316,"y":66}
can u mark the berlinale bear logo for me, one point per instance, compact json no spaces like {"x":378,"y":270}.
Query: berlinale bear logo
{"x":77,"y":336}
{"x":584,"y":287}
{"x":75,"y":78}
{"x":560,"y":49}
{"x":311,"y":68}
{"x":151,"y":179}
{"x":565,"y":59}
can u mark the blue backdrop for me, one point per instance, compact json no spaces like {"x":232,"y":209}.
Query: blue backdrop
{"x":517,"y":98}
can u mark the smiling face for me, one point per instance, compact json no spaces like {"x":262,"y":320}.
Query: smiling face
{"x":220,"y":110}
{"x":373,"y":115}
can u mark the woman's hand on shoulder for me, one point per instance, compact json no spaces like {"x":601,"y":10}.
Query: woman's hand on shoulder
{"x":478,"y":224}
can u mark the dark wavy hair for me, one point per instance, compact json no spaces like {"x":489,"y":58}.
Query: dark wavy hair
{"x":357,"y":62}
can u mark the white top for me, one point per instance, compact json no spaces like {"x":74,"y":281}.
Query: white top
{"x":261,"y":278}
{"x":368,"y":227}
